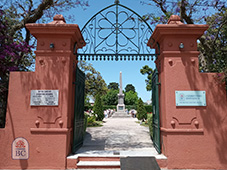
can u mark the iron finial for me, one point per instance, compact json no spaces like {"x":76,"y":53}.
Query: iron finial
{"x":116,"y":2}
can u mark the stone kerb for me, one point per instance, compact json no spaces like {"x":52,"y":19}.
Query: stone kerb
{"x":188,"y":134}
{"x":47,"y":129}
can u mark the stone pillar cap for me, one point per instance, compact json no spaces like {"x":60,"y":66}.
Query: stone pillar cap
{"x":58,"y":19}
{"x":174,"y":19}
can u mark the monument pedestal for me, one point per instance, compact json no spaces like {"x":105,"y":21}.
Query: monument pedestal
{"x":120,"y":112}
{"x":121,"y":106}
{"x":120,"y":115}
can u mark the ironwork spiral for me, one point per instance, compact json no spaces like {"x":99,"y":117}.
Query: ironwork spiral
{"x":116,"y":33}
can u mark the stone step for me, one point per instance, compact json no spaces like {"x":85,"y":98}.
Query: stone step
{"x":106,"y":161}
{"x":98,"y":164}
{"x":92,"y":158}
{"x":102,"y":169}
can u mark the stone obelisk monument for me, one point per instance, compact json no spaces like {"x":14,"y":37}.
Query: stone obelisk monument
{"x":121,"y":106}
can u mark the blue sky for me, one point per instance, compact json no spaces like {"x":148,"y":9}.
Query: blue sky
{"x":110,"y":69}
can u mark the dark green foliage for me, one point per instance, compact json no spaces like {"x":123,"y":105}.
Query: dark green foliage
{"x":130,"y":107}
{"x":130,"y":87}
{"x":94,"y":83}
{"x":141,"y":111}
{"x":113,"y":86}
{"x":150,"y":123}
{"x":91,"y":121}
{"x":131,"y":98}
{"x":105,"y":107}
{"x":146,"y":70}
{"x":98,"y":108}
{"x":148,"y":108}
{"x":213,"y":59}
{"x":111,"y":97}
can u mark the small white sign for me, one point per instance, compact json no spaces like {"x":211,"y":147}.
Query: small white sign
{"x":20,"y":148}
{"x":190,"y":98}
{"x":44,"y":98}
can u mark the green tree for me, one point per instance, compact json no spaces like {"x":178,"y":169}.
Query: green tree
{"x":15,"y":55}
{"x":146,"y":70}
{"x":32,"y":11}
{"x":130,"y":87}
{"x":15,"y":49}
{"x":131,"y":98}
{"x":111,"y":97}
{"x":98,"y":108}
{"x":212,"y":44}
{"x":113,"y":85}
{"x":94,"y":83}
{"x":141,"y":111}
{"x":214,"y":59}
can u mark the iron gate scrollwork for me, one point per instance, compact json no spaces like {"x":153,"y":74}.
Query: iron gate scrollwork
{"x":78,"y":131}
{"x":155,"y":105}
{"x":116,"y":33}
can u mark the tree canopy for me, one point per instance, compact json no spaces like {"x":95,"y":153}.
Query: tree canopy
{"x":130,"y":87}
{"x":31,"y":11}
{"x":94,"y":83}
{"x":16,"y":48}
{"x":212,"y":44}
{"x":113,"y":85}
{"x":146,"y":70}
{"x":131,"y":98}
{"x":141,"y":111}
{"x":15,"y":54}
{"x":111,"y":97}
{"x":98,"y":108}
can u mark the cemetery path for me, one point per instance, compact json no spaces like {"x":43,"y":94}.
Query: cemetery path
{"x":118,"y":136}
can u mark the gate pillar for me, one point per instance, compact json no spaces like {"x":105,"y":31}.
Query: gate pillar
{"x":44,"y":130}
{"x":192,"y":137}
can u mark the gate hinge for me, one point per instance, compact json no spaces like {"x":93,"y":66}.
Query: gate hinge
{"x":158,"y":83}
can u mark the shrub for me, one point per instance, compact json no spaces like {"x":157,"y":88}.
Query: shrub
{"x":141,"y":111}
{"x":150,"y":124}
{"x":148,"y":108}
{"x":98,"y":108}
{"x":105,"y":107}
{"x":130,"y":107}
{"x":90,"y":120}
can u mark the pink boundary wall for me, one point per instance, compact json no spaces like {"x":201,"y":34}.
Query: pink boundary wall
{"x":191,"y":137}
{"x":48,"y":130}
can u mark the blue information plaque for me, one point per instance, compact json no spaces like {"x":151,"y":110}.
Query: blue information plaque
{"x":190,"y":98}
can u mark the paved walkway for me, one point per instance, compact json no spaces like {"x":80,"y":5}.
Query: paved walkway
{"x":118,"y":136}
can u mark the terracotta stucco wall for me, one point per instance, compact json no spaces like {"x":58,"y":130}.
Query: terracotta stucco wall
{"x":48,"y":129}
{"x":191,"y":136}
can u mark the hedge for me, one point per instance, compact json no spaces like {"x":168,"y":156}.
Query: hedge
{"x":148,"y":108}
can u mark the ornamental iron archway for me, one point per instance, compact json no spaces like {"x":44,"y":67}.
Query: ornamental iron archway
{"x":119,"y":33}
{"x":116,"y":33}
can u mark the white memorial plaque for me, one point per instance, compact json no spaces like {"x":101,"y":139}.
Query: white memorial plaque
{"x":190,"y":98}
{"x":20,"y":148}
{"x":44,"y":98}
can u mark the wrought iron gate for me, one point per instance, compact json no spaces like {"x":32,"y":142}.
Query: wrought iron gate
{"x":78,"y":131}
{"x":115,"y":33}
{"x":155,"y":104}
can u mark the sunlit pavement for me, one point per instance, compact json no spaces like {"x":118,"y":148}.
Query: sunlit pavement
{"x":118,"y":136}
